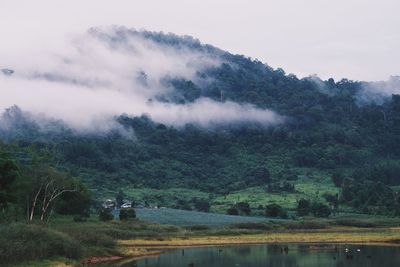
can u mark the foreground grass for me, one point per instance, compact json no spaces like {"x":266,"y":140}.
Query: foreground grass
{"x":34,"y":243}
{"x":60,"y":262}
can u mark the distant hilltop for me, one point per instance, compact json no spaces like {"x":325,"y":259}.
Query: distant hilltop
{"x":7,"y":72}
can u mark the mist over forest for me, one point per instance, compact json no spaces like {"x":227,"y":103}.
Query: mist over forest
{"x":122,"y":108}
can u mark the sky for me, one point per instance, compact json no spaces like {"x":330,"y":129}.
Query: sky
{"x":355,"y":39}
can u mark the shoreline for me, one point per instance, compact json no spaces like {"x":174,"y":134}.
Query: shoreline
{"x":143,"y":248}
{"x":335,"y":235}
{"x":165,"y":248}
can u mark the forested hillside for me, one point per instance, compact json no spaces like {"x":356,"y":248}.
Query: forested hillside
{"x":340,"y":133}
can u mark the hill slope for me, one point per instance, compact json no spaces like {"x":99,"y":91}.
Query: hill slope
{"x":318,"y":129}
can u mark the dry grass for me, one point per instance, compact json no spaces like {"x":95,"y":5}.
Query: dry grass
{"x":332,"y":235}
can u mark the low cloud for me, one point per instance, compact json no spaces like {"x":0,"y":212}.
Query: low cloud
{"x":206,"y":112}
{"x":320,"y":84}
{"x":378,"y":92}
{"x":112,"y":71}
{"x":367,"y":93}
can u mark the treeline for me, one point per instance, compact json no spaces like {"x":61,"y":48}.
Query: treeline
{"x":34,"y":189}
{"x":369,"y":190}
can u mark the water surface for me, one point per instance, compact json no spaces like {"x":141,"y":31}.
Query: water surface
{"x":276,"y":256}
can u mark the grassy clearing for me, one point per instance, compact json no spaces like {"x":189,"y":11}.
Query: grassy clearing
{"x":161,"y":197}
{"x":310,"y":185}
{"x":255,"y":196}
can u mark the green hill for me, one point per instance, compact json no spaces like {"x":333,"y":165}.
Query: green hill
{"x":330,"y":129}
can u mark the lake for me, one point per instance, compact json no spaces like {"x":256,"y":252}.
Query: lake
{"x":306,"y":255}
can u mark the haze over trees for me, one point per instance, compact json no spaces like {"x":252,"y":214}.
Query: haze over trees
{"x":337,"y":129}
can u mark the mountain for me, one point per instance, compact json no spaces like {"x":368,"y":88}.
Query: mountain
{"x":218,"y":123}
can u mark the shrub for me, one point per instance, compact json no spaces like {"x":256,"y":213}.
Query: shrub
{"x":21,"y":242}
{"x":275,"y":210}
{"x":183,"y":204}
{"x":252,"y":226}
{"x":304,"y":225}
{"x":75,"y":203}
{"x":244,"y":207}
{"x":80,"y":218}
{"x":202,"y":205}
{"x":320,"y":210}
{"x":105,"y":215}
{"x":368,"y":223}
{"x":337,"y":179}
{"x":303,"y":207}
{"x":198,"y":228}
{"x":281,"y":187}
{"x":232,"y":211}
{"x":127,"y":214}
{"x":91,"y":237}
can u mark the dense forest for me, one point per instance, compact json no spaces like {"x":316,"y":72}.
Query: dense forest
{"x":337,"y":129}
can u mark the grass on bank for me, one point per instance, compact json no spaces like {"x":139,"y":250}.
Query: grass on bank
{"x":23,"y":242}
{"x":311,"y":236}
{"x":63,"y":238}
{"x":55,"y":262}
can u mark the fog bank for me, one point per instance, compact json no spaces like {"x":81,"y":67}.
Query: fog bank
{"x":110,"y":71}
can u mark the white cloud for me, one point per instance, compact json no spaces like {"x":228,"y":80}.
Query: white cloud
{"x":99,"y":75}
{"x":378,"y":92}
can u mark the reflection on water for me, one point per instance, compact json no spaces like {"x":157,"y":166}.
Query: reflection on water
{"x":276,"y":256}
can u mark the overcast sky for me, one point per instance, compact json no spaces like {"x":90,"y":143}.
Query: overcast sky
{"x":357,"y":39}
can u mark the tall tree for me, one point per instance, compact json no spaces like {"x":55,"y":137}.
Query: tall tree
{"x":8,"y":174}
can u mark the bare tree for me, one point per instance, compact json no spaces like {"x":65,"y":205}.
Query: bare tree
{"x":51,"y":192}
{"x":46,"y":187}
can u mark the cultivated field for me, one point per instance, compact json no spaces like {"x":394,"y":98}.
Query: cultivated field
{"x":191,"y":218}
